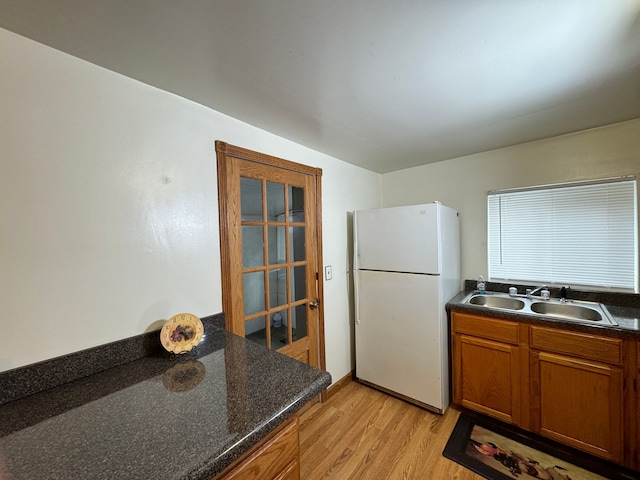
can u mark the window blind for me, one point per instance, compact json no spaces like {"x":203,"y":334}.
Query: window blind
{"x":571,"y":234}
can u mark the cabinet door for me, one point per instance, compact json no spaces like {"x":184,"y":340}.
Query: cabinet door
{"x":579,"y":403}
{"x":488,"y":380}
{"x":277,"y":458}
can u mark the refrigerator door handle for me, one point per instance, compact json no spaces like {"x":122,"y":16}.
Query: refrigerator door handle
{"x":355,"y":241}
{"x":356,"y":296}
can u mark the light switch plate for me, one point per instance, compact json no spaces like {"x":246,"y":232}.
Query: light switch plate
{"x":328,"y":274}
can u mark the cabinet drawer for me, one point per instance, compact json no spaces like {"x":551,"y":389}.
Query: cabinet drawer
{"x":583,"y":345}
{"x":489,"y":328}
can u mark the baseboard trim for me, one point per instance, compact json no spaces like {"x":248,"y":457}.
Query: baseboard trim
{"x":336,"y":387}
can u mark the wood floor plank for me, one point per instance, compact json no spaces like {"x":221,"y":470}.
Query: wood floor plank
{"x":346,"y":438}
{"x":362,"y":433}
{"x":391,"y":444}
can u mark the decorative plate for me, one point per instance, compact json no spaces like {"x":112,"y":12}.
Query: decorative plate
{"x":181,"y":333}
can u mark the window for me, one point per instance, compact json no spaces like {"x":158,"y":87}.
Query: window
{"x":578,"y":234}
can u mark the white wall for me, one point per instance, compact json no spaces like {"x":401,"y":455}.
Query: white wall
{"x":108,"y":203}
{"x":463,"y":183}
{"x":108,"y":207}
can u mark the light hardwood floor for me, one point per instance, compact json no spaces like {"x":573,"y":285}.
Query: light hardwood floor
{"x":361,"y":433}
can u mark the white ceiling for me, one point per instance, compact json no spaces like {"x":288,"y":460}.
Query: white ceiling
{"x":384,"y":84}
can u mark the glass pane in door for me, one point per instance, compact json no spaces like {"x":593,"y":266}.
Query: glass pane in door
{"x":277,"y":245}
{"x":296,"y":204}
{"x":275,"y":202}
{"x":296,"y":244}
{"x":256,"y":330}
{"x":299,"y":322}
{"x":251,"y":199}
{"x":277,"y":287}
{"x":279,"y":329}
{"x":252,"y":247}
{"x":253,"y":292}
{"x":298,"y":283}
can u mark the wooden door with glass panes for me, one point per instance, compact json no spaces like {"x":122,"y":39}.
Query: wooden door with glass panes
{"x":269,"y":250}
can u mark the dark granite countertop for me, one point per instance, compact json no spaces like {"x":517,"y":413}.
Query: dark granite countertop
{"x":156,"y":417}
{"x":625,"y":311}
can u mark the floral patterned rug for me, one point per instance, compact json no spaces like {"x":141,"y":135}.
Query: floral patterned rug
{"x":498,"y":451}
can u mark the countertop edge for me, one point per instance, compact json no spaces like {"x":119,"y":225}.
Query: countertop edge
{"x":216,"y":465}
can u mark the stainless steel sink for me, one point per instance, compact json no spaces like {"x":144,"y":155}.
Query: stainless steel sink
{"x":573,"y":311}
{"x":494,"y":301}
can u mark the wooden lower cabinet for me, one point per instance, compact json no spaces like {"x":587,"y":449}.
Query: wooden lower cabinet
{"x":487,"y":363}
{"x":579,"y":403}
{"x":577,"y":390}
{"x":275,"y":458}
{"x":573,"y":387}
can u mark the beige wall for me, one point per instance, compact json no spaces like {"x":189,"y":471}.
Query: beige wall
{"x":109,"y":211}
{"x":463,"y":183}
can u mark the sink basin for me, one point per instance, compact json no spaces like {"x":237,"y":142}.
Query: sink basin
{"x":497,"y":302}
{"x":570,"y":311}
{"x":574,"y":310}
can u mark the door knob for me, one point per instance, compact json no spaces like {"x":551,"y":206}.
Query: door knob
{"x":313,"y":304}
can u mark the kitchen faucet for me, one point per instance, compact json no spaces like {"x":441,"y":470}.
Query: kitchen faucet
{"x":535,"y":290}
{"x":530,"y":292}
{"x":543,"y":289}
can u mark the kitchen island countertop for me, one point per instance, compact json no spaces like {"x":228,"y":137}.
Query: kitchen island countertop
{"x":157,"y":417}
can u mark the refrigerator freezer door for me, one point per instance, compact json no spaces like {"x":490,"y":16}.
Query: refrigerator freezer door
{"x":400,"y":342}
{"x":398,"y":239}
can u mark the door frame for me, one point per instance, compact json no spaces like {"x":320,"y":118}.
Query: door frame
{"x":227,"y":224}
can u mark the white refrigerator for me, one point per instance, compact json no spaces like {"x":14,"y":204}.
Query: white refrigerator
{"x":406,"y":268}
